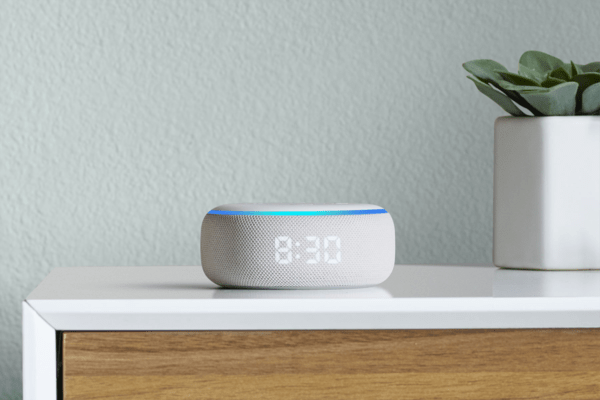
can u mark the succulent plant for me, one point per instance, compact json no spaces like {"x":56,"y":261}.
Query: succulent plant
{"x":544,"y":85}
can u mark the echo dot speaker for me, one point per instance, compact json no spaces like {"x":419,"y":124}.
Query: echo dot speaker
{"x":297,"y":246}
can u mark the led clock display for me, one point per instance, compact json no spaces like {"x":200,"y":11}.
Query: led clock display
{"x":287,"y":249}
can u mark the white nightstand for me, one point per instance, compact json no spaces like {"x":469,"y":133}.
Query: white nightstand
{"x":445,"y":331}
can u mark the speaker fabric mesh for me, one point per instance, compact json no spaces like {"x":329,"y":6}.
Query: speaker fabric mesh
{"x":239,"y":250}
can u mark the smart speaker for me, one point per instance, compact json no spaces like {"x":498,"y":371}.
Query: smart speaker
{"x":297,"y":246}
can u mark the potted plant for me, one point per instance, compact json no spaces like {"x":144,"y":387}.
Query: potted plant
{"x":546,"y":161}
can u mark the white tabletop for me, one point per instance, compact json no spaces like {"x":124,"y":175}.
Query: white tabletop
{"x":414,"y":297}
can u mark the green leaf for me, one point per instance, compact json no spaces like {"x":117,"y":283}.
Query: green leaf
{"x":512,"y":91}
{"x":591,"y":67}
{"x":540,"y":62}
{"x":501,"y":99}
{"x":485,"y":69}
{"x":558,"y":100}
{"x":530,"y":73}
{"x":561,"y":73}
{"x":575,"y":70}
{"x":516,"y":79}
{"x":522,"y":88}
{"x":585,"y":80}
{"x":550,"y":82}
{"x":591,"y":99}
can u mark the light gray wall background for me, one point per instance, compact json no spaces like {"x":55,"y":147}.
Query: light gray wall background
{"x":123,"y":122}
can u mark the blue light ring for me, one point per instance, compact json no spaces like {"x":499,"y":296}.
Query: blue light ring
{"x":340,"y":212}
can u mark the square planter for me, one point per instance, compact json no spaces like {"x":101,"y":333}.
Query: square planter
{"x":547,"y":192}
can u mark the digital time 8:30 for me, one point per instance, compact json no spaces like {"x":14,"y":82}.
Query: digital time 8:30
{"x":332,"y":253}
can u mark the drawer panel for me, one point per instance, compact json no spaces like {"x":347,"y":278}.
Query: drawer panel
{"x":366,"y":364}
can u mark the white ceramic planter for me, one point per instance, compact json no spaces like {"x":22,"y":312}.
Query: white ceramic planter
{"x":547,"y":192}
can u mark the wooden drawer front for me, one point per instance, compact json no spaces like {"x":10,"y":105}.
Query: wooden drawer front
{"x":371,"y":364}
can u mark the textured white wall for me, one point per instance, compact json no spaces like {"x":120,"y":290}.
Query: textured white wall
{"x":123,"y":122}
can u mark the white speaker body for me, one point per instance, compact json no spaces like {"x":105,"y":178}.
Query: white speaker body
{"x":297,"y":246}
